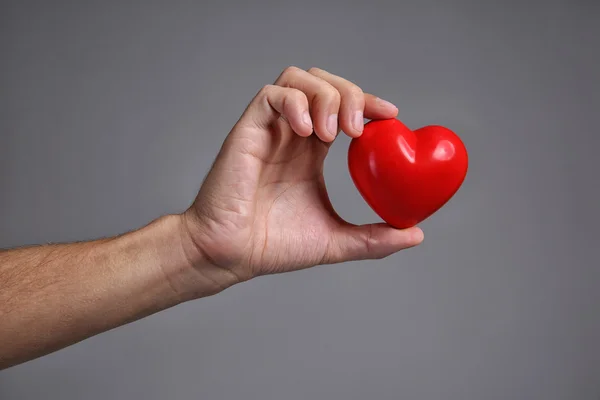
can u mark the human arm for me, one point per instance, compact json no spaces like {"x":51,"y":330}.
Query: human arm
{"x":52,"y":296}
{"x":263,"y":208}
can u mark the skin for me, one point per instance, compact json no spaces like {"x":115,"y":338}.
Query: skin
{"x":262,"y":209}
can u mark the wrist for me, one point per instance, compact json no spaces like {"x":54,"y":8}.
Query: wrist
{"x":185,"y":267}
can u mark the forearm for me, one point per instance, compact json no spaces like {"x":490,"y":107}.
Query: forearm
{"x":52,"y":296}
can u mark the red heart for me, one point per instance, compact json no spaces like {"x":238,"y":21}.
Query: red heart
{"x":404,"y":175}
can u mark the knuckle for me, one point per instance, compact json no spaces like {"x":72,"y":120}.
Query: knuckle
{"x":369,"y":240}
{"x":371,"y":244}
{"x":330,"y":93}
{"x":266,"y":89}
{"x":286,"y":102}
{"x":355,"y":93}
{"x":293,"y":97}
{"x":297,"y":96}
{"x":291,"y":70}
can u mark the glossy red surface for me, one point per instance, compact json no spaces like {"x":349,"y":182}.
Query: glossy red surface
{"x":405,"y":176}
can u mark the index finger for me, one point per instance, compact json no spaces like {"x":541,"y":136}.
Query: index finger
{"x":377,"y":108}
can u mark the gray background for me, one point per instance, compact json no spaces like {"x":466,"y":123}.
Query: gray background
{"x":111,"y":113}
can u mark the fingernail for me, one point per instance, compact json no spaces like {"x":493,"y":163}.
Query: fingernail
{"x":332,"y":124}
{"x":386,"y":104}
{"x":358,"y":121}
{"x":306,"y":119}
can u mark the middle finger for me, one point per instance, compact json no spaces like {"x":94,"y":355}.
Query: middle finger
{"x":352,"y":102}
{"x":324,"y":100}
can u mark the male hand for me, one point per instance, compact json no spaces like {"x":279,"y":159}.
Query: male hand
{"x":263,"y":207}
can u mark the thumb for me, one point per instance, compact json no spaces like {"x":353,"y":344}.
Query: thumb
{"x":372,"y":241}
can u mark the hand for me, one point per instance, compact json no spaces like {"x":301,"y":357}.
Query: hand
{"x":263,"y":207}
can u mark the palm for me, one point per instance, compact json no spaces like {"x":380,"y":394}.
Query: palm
{"x":294,"y":217}
{"x":282,"y":215}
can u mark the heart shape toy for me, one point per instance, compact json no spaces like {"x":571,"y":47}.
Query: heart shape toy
{"x":405,"y":176}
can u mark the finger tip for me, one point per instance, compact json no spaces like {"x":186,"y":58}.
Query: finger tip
{"x":392,"y":113}
{"x":354,"y":134}
{"x":327,"y":138}
{"x":412,"y":236}
{"x":323,"y":134}
{"x":417,"y":235}
{"x":384,"y":104}
{"x":408,"y":237}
